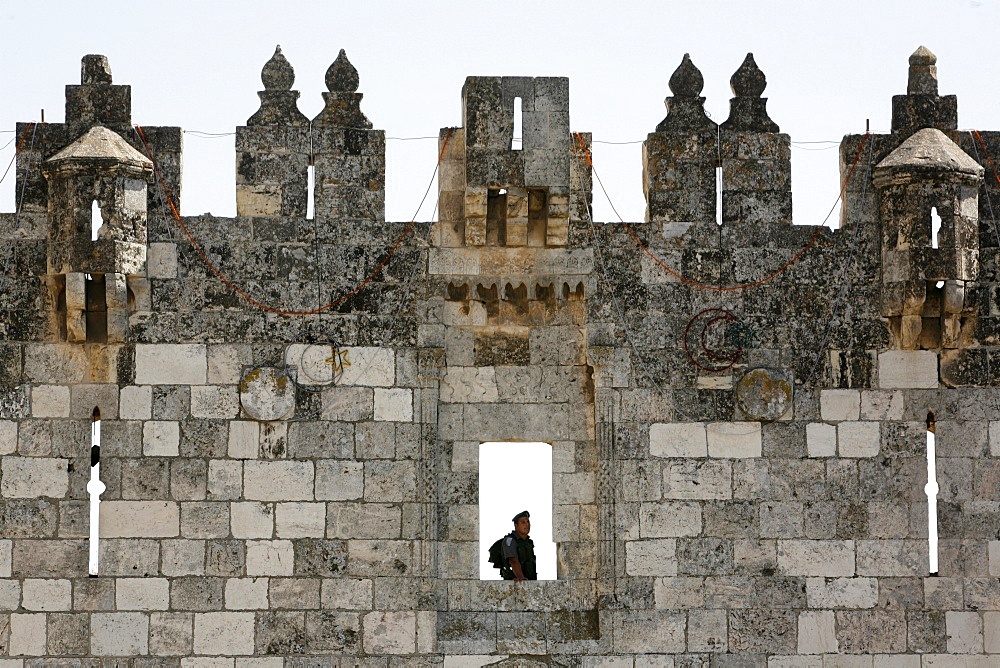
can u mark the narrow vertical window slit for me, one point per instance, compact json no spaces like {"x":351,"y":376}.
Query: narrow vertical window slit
{"x":95,"y":488}
{"x":931,"y":489}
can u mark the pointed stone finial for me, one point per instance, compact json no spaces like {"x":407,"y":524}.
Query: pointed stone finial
{"x":686,"y":109}
{"x":923,"y":73}
{"x":343,"y":101}
{"x":748,"y":80}
{"x":277,"y":100}
{"x":95,"y":70}
{"x":686,"y":81}
{"x":747,"y":109}
{"x":342,"y":76}
{"x":277,"y":73}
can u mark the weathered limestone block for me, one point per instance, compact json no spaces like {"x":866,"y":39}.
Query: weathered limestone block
{"x":858,"y":439}
{"x":45,"y":595}
{"x":347,"y":594}
{"x":140,"y":519}
{"x":821,"y":439}
{"x":908,"y":369}
{"x":678,"y":440}
{"x":270,"y":557}
{"x":698,"y":480}
{"x":816,"y":633}
{"x":27,"y":635}
{"x":892,"y":558}
{"x":119,"y":633}
{"x":171,"y":364}
{"x":338,"y":480}
{"x":649,"y":631}
{"x":161,"y":438}
{"x":300,"y":520}
{"x":214,"y":401}
{"x":669,"y":519}
{"x":839,"y":405}
{"x":816,"y":557}
{"x":734,"y":439}
{"x":252,"y":520}
{"x":33,"y":477}
{"x":230,"y":633}
{"x":363,"y":520}
{"x":965,"y":632}
{"x":393,"y":405}
{"x":651,"y":557}
{"x":142,"y":594}
{"x":857,"y":593}
{"x":278,"y":480}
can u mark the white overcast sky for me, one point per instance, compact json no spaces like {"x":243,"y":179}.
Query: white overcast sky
{"x":196,"y":64}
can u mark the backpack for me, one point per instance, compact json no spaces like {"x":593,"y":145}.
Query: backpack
{"x":496,"y":558}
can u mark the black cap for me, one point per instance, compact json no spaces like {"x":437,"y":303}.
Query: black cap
{"x":523,"y":513}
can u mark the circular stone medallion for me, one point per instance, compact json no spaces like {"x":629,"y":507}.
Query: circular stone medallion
{"x":764,"y":394}
{"x":267,"y":393}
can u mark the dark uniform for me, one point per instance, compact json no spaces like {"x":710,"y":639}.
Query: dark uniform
{"x":524,"y":550}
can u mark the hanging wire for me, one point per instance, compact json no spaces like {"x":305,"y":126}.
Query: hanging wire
{"x":249,"y":298}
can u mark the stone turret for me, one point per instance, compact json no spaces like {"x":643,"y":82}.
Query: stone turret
{"x":925,"y":271}
{"x":99,"y":172}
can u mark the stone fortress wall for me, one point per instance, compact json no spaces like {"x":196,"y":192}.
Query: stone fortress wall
{"x":738,"y":413}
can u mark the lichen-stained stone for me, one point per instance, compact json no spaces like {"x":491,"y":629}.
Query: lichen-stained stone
{"x":854,"y":631}
{"x":763,"y":630}
{"x":55,"y":364}
{"x":266,"y":394}
{"x":330,"y":631}
{"x":848,"y":592}
{"x":347,"y":594}
{"x":678,"y":593}
{"x":669,"y":519}
{"x":649,"y":631}
{"x":461,"y":632}
{"x":170,"y":633}
{"x":891,"y":558}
